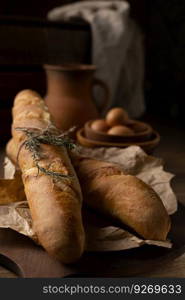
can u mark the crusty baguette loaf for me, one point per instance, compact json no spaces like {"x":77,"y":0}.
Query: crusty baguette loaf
{"x":55,"y":204}
{"x":124,"y":197}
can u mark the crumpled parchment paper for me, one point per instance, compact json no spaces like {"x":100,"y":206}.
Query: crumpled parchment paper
{"x":100,"y":235}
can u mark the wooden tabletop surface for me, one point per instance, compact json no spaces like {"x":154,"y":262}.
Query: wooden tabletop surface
{"x":172,"y":150}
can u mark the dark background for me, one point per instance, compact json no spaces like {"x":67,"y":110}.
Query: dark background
{"x":40,"y":8}
{"x":163,"y":25}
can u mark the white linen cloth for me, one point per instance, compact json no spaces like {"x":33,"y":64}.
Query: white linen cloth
{"x":117,"y":49}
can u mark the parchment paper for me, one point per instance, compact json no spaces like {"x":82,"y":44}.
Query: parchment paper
{"x":100,"y":234}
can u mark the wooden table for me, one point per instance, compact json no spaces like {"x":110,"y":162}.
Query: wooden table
{"x":172,"y":150}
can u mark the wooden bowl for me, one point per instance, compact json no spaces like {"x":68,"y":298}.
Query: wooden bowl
{"x":147,"y":146}
{"x":142,"y":133}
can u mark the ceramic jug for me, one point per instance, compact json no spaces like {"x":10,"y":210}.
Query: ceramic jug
{"x":70,"y":94}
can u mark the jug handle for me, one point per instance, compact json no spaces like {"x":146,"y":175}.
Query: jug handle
{"x":106,"y":99}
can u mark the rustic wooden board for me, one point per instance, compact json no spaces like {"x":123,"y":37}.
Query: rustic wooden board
{"x":22,"y":256}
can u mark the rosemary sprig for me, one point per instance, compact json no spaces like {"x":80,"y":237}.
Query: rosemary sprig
{"x":49,"y":136}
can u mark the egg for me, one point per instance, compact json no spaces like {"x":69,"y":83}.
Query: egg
{"x":120,"y":130}
{"x":99,"y":125}
{"x":116,"y":116}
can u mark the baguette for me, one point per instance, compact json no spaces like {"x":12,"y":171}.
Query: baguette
{"x":123,"y":197}
{"x":55,"y":204}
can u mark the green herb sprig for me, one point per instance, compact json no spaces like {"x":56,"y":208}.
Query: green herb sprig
{"x":49,"y":136}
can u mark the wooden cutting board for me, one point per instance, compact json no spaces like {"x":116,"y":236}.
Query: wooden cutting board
{"x":22,"y":256}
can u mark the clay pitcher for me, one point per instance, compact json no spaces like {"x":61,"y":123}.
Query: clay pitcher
{"x":70,"y":94}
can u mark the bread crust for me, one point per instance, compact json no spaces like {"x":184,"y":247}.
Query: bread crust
{"x":123,"y":197}
{"x":55,"y":204}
